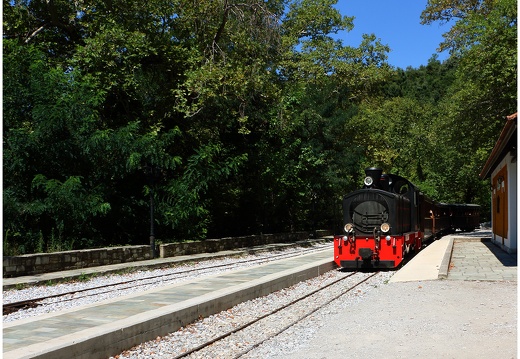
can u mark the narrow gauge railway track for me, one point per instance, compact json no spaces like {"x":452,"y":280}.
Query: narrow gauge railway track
{"x":197,"y":351}
{"x":12,"y":307}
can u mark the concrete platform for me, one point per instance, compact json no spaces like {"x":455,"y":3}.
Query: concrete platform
{"x":464,"y":256}
{"x":54,"y":277}
{"x":427,"y":264}
{"x":107,"y":328}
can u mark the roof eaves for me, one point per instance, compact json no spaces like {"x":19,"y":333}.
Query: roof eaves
{"x":502,"y":142}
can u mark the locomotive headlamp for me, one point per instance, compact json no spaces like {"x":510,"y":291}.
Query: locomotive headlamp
{"x":368,"y":181}
{"x":385,"y":227}
{"x":348,"y":227}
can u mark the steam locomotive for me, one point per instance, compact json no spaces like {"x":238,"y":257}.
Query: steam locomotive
{"x":389,"y":218}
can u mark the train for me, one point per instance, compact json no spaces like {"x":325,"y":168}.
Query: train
{"x":390,"y":218}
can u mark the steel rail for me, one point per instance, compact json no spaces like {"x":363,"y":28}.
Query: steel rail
{"x":8,"y":308}
{"x":248,"y":324}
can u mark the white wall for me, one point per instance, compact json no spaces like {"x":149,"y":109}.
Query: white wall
{"x":510,"y":243}
{"x":512,"y":176}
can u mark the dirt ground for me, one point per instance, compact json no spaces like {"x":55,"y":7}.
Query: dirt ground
{"x":428,"y":319}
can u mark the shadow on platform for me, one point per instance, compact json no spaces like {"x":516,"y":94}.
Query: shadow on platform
{"x":507,"y":259}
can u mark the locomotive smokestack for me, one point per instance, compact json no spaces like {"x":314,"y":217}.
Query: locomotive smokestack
{"x":373,"y":176}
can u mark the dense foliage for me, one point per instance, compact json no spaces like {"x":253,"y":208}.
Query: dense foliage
{"x":234,"y":117}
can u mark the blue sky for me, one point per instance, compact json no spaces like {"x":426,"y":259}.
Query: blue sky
{"x":397,"y":23}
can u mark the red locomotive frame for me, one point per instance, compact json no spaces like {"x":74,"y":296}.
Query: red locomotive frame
{"x":388,"y":253}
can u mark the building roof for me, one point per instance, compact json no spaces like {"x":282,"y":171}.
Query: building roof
{"x":506,"y":142}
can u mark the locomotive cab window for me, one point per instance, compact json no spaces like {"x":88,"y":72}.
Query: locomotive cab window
{"x":401,"y":187}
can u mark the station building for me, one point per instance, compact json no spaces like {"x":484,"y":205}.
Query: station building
{"x":501,"y":168}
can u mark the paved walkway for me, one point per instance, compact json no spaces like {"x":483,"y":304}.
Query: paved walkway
{"x":462,"y":256}
{"x":480,"y":259}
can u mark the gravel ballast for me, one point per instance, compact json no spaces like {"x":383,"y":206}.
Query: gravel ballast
{"x":206,"y":267}
{"x":430,"y":319}
{"x":209,"y":328}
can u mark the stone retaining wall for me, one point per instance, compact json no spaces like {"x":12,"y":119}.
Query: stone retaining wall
{"x":223,"y":244}
{"x":38,"y":263}
{"x":31,"y":264}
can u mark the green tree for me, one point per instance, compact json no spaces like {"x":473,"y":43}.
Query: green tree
{"x":484,"y":42}
{"x":107,"y":103}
